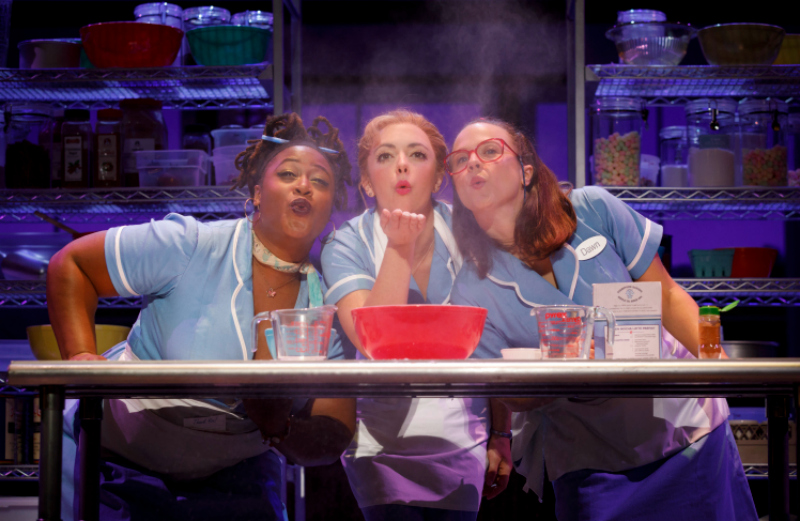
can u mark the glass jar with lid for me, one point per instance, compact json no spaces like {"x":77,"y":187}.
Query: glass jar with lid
{"x":616,"y":147}
{"x":764,"y":125}
{"x":261,"y":19}
{"x":712,"y":135}
{"x":143,"y":128}
{"x":162,"y":13}
{"x":674,"y":156}
{"x":793,"y":177}
{"x":28,"y":140}
{"x":205,"y":16}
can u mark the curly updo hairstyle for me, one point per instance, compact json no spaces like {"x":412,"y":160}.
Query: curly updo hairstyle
{"x":253,"y":161}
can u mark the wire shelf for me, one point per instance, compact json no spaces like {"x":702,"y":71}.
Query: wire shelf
{"x":9,"y":391}
{"x":750,"y":292}
{"x":198,"y":88}
{"x":696,"y":81}
{"x":19,"y":472}
{"x":761,"y":471}
{"x":713,"y":203}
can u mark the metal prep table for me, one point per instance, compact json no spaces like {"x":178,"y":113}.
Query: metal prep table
{"x":775,"y":379}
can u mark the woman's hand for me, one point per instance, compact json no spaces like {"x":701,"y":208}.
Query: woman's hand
{"x":402,"y":228}
{"x":498,"y":472}
{"x":85,"y":355}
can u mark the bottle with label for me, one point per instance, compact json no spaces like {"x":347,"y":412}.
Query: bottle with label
{"x":76,"y":144}
{"x":51,"y":138}
{"x":710,"y":346}
{"x":107,"y":149}
{"x":143,"y":128}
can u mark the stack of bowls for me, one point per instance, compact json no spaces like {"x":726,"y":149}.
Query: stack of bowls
{"x":644,"y":37}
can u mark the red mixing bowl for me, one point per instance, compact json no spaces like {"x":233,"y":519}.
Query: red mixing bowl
{"x":131,"y":44}
{"x":753,"y":262}
{"x":424,"y":332}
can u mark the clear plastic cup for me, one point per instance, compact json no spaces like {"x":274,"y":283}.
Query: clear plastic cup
{"x":299,"y":334}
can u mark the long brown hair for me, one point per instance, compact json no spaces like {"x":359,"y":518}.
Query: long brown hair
{"x":546,"y":221}
{"x":253,"y":161}
{"x":378,"y":123}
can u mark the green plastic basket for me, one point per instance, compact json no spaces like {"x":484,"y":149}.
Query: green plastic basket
{"x":229,"y":44}
{"x":712,"y":263}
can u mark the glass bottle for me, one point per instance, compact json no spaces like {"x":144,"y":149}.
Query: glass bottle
{"x":616,"y":150}
{"x":710,"y":345}
{"x":28,"y":144}
{"x":763,"y":126}
{"x":108,"y":152}
{"x":76,"y":139}
{"x":712,"y":142}
{"x":143,"y":128}
{"x":793,"y":177}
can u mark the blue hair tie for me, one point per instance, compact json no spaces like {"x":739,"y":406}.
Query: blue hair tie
{"x":281,"y":141}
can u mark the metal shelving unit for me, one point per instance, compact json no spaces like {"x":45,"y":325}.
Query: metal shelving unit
{"x":760,"y":471}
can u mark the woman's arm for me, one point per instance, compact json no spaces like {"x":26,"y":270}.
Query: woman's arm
{"x":498,"y":451}
{"x":77,"y":277}
{"x":320,"y":432}
{"x":679,"y":310}
{"x":394,"y":276}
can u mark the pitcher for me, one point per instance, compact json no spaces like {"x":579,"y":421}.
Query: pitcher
{"x":296,"y":334}
{"x":563,"y":330}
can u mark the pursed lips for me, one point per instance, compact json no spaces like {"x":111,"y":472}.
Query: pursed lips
{"x":300,"y":206}
{"x":402,"y":187}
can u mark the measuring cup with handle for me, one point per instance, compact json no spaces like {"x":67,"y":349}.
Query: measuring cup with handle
{"x":565,"y":332}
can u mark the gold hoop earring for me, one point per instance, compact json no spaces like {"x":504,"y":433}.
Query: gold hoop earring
{"x":255,"y":210}
{"x":332,"y":237}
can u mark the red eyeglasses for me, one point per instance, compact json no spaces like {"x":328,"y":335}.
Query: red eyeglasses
{"x":487,"y":151}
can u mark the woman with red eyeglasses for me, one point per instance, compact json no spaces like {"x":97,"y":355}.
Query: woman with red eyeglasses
{"x":609,"y":459}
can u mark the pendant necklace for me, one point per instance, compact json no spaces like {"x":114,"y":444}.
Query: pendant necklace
{"x":272,"y":292}
{"x":427,"y":250}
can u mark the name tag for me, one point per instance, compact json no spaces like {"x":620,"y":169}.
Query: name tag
{"x":206,"y":423}
{"x":591,"y":247}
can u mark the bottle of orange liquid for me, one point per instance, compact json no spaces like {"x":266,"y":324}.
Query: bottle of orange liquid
{"x":710,"y":346}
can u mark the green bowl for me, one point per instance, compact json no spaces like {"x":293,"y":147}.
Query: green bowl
{"x":229,"y":44}
{"x":711,"y":263}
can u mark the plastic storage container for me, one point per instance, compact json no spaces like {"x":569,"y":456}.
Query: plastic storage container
{"x":229,"y":136}
{"x":224,"y":159}
{"x":205,"y":16}
{"x":28,"y":139}
{"x":616,"y":149}
{"x":644,"y":37}
{"x":159,"y":168}
{"x":142,"y":129}
{"x":261,"y":19}
{"x":711,"y":263}
{"x":162,"y":13}
{"x":764,"y":125}
{"x":649,"y":167}
{"x":674,"y":156}
{"x":793,"y":177}
{"x":712,"y":139}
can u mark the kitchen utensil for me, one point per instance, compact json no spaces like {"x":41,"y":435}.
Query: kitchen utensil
{"x":419,"y":332}
{"x":563,"y":330}
{"x":300,"y":334}
{"x":61,"y":226}
{"x":228,"y":44}
{"x":711,"y":263}
{"x":651,"y":43}
{"x":790,"y":50}
{"x":750,"y":349}
{"x":44,"y":346}
{"x":49,"y":54}
{"x":753,"y":262}
{"x":741,"y":44}
{"x":131,"y":44}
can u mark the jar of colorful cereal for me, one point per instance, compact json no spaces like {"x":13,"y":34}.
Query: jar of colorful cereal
{"x":617,"y":130}
{"x":793,"y":177}
{"x":711,"y":131}
{"x":764,"y":125}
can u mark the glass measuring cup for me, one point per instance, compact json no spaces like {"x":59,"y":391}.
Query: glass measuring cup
{"x":296,"y":334}
{"x":563,"y":330}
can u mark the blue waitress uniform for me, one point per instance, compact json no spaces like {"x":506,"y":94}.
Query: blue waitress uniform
{"x":649,"y":459}
{"x":420,"y":452}
{"x":184,"y":459}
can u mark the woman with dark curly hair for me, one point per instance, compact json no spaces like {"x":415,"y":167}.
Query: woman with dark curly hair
{"x":202,"y":283}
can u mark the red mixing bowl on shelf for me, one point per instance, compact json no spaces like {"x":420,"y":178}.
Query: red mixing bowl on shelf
{"x":131,"y":44}
{"x":752,"y":263}
{"x":419,"y":332}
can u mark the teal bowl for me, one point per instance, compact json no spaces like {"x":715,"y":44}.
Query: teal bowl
{"x":712,"y":263}
{"x":229,"y":44}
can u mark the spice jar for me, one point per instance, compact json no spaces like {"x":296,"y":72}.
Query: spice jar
{"x":763,"y":126}
{"x":709,"y":325}
{"x":616,"y":149}
{"x":27,"y":145}
{"x":674,"y":156}
{"x":162,"y":13}
{"x":76,"y":142}
{"x":108,"y":150}
{"x":793,"y":176}
{"x":712,"y":141}
{"x":142,"y":129}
